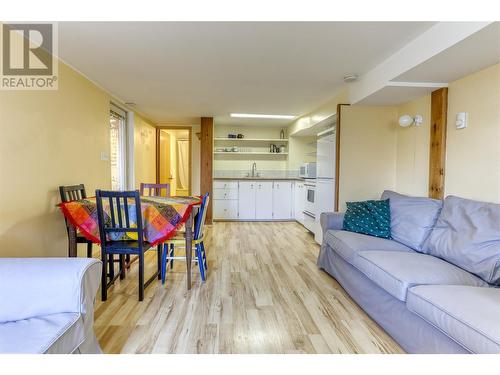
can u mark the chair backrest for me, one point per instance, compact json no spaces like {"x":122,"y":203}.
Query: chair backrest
{"x":155,"y":190}
{"x":72,"y":193}
{"x":118,"y":222}
{"x":200,"y":218}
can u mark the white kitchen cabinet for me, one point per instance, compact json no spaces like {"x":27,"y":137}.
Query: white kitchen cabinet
{"x":226,"y":209}
{"x":299,"y":201}
{"x":225,"y":201}
{"x":264,"y":200}
{"x":247,"y":200}
{"x":282,"y":200}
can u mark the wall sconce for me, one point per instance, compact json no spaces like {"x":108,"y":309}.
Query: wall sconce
{"x":407,"y":120}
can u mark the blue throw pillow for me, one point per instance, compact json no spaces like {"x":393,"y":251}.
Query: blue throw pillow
{"x":369,"y":217}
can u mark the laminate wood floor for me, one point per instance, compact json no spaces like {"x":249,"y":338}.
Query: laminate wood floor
{"x":263,"y":294}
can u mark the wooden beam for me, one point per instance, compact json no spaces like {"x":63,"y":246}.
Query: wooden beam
{"x":437,"y":157}
{"x":206,"y":159}
{"x":337,"y":155}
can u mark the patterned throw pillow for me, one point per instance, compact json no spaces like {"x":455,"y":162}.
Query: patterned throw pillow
{"x":369,"y":217}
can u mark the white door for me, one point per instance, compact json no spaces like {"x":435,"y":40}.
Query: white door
{"x":246,"y":200}
{"x":299,"y":204}
{"x":282,"y":200}
{"x":264,"y":200}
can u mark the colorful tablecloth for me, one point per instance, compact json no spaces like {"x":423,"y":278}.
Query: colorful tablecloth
{"x":161,"y":217}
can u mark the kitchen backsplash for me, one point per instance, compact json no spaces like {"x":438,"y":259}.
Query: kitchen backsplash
{"x":262,"y":173}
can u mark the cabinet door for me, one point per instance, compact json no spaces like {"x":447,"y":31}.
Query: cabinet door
{"x":299,"y":202}
{"x":225,"y":209}
{"x":264,"y":200}
{"x":246,"y":200}
{"x":282,"y":200}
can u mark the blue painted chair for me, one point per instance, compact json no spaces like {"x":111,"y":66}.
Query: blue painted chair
{"x":179,"y":240}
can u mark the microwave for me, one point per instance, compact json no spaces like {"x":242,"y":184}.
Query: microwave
{"x":307,"y":170}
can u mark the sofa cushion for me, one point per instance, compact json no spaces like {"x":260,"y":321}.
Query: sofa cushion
{"x":467,"y":234}
{"x":55,"y":334}
{"x":395,"y":272}
{"x":348,"y":244}
{"x":369,"y":217}
{"x":412,"y":218}
{"x":468,"y":315}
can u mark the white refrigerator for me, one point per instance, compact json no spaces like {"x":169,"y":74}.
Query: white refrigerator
{"x":325,"y":177}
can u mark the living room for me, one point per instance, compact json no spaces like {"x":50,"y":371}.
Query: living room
{"x":243,"y":191}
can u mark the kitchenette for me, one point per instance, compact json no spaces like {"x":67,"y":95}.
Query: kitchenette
{"x":262,"y":174}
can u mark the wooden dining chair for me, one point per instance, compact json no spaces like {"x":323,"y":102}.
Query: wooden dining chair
{"x":155,"y":190}
{"x":116,"y":223}
{"x":73,"y":193}
{"x":179,"y":241}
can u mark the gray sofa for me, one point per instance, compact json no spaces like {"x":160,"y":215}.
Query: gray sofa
{"x":432,"y":287}
{"x":47,"y":305}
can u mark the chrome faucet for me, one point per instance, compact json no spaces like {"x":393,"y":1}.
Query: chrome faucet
{"x":254,"y":169}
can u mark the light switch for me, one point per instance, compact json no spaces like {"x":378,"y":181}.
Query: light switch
{"x":461,"y":122}
{"x":104,"y":156}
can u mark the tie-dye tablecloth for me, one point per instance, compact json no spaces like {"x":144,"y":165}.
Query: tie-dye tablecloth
{"x":161,"y":216}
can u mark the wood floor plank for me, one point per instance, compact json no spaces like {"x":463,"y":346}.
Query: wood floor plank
{"x":263,"y":294}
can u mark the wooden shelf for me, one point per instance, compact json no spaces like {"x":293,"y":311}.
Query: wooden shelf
{"x":252,"y":139}
{"x":249,"y":153}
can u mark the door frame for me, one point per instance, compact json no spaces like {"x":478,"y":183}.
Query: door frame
{"x":190,"y":131}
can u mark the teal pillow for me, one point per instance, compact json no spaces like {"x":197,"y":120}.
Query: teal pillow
{"x":369,"y":217}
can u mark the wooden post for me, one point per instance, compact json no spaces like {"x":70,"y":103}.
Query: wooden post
{"x":337,"y":155}
{"x":437,"y":157}
{"x":206,"y":158}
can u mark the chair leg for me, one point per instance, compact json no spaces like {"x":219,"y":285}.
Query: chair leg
{"x":141,"y":276}
{"x":204,"y":253}
{"x":164,"y":255}
{"x":127,"y":260}
{"x":122,"y":266}
{"x":171,"y":255}
{"x":104,"y":277}
{"x":111,"y":262}
{"x":158,"y":258}
{"x":89,"y":249}
{"x":201,"y":266}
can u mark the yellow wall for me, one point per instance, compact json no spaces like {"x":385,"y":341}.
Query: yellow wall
{"x":367,"y":152}
{"x":473,"y":154}
{"x":144,"y":151}
{"x":48,"y":138}
{"x":412,"y":155}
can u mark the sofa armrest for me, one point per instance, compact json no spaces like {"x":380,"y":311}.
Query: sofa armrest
{"x":31,"y":287}
{"x":331,"y":220}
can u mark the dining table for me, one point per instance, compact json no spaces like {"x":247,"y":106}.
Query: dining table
{"x":162,"y":217}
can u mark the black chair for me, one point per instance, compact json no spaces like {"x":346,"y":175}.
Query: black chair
{"x":73,"y":193}
{"x":117,"y":222}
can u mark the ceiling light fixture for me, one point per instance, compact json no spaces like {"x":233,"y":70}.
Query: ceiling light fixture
{"x":350,"y":78}
{"x":255,"y":115}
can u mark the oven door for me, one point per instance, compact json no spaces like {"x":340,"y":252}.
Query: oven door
{"x":310,"y":198}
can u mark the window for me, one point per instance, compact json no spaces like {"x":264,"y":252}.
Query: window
{"x":117,"y":121}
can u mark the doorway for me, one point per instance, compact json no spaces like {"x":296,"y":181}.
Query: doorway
{"x":174,"y":159}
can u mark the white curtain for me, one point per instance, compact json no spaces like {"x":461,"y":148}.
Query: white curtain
{"x":182,"y":164}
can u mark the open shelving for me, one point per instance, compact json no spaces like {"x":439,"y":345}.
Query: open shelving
{"x":253,"y":139}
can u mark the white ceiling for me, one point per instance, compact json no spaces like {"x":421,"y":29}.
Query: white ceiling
{"x":177,"y":71}
{"x":472,"y":54}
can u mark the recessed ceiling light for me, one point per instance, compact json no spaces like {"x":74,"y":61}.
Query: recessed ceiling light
{"x":255,"y":115}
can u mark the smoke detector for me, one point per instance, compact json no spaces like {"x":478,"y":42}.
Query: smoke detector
{"x":350,"y":78}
